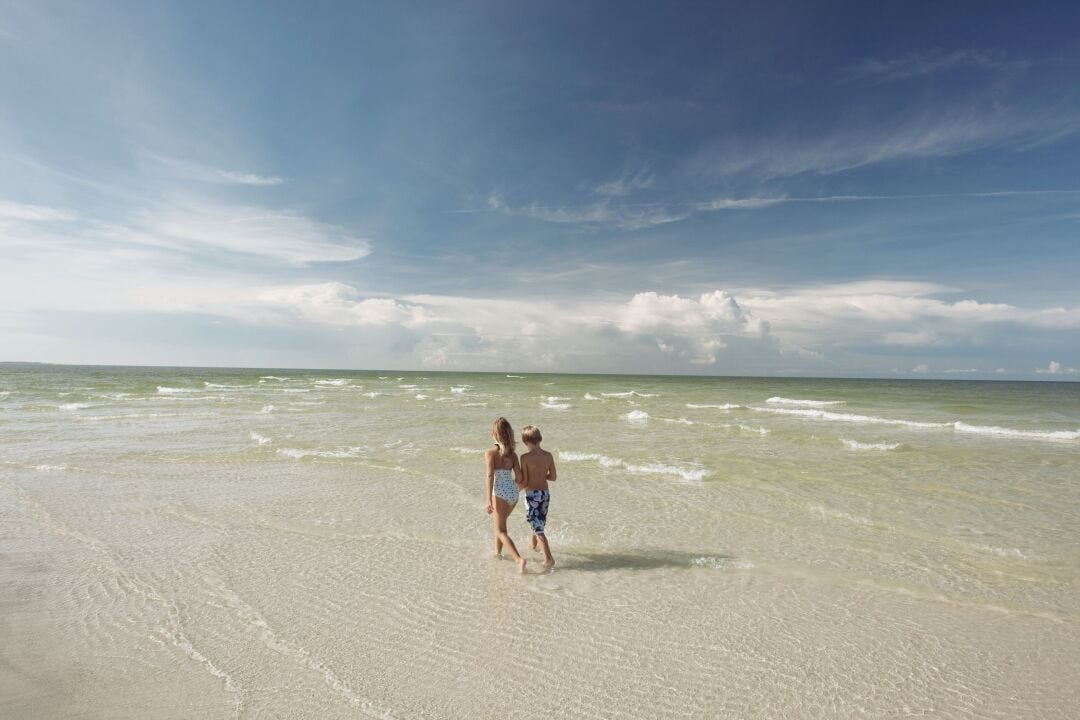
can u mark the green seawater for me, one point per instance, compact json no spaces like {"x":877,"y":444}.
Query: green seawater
{"x":313,"y":544}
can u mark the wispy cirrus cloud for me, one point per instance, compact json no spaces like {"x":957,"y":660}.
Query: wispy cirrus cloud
{"x":603,"y":213}
{"x":929,"y":62}
{"x":201,"y":173}
{"x":636,"y":216}
{"x":22,"y":212}
{"x":625,"y":185}
{"x":196,"y":228}
{"x":929,"y":134}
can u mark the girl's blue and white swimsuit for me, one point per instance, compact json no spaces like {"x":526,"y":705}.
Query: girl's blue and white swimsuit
{"x":504,"y":486}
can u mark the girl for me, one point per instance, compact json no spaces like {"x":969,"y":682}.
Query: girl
{"x":503,"y":485}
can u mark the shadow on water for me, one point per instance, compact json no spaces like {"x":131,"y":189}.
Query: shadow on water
{"x":642,"y":560}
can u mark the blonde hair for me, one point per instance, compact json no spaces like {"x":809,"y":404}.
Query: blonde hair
{"x":531,"y":434}
{"x":504,"y":436}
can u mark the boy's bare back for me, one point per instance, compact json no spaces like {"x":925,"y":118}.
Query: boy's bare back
{"x":538,"y":468}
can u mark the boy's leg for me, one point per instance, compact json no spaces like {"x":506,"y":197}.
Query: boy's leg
{"x":548,"y":559}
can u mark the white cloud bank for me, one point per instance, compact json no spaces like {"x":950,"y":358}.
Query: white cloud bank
{"x":814,"y":330}
{"x":169,"y":259}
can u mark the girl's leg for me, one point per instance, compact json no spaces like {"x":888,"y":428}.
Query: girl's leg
{"x":502,"y":510}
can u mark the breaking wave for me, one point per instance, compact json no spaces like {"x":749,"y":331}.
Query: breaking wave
{"x":693,"y":474}
{"x":808,"y":403}
{"x":856,"y":445}
{"x":298,"y":454}
{"x":1010,"y":433}
{"x":846,"y":417}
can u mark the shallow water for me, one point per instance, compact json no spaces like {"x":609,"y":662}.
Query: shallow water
{"x":280,"y":543}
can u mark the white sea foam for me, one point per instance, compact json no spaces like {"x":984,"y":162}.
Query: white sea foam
{"x":827,"y":513}
{"x":5,"y":392}
{"x":219,"y":386}
{"x":273,"y":377}
{"x":338,"y":382}
{"x":296,"y":390}
{"x":725,"y":406}
{"x":628,"y":393}
{"x":590,"y":396}
{"x":467,"y":451}
{"x":1010,"y":433}
{"x":477,"y":404}
{"x":175,"y":391}
{"x":267,"y":409}
{"x":637,"y":416}
{"x":407,"y":387}
{"x":553,"y":403}
{"x":678,"y":421}
{"x":521,"y":377}
{"x":74,"y":406}
{"x":459,"y":390}
{"x":752,"y":429}
{"x":373,"y":395}
{"x":846,"y":417}
{"x":856,"y":445}
{"x":298,"y":453}
{"x":808,"y":403}
{"x":1015,"y":553}
{"x":692,"y":474}
{"x":50,"y":468}
{"x":421,"y":396}
{"x":262,"y":440}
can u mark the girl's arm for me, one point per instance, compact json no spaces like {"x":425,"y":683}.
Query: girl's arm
{"x":489,"y":462}
{"x":519,"y":477}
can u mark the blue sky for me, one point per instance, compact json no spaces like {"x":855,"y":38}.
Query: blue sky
{"x":836,"y":189}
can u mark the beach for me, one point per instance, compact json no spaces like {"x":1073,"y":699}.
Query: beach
{"x":227,"y":543}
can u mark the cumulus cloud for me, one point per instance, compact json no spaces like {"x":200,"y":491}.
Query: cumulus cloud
{"x":340,"y":304}
{"x":1056,"y":368}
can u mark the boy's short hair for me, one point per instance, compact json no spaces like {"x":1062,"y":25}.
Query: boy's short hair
{"x":531,"y":434}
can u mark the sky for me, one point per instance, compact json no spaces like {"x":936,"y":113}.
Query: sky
{"x":802,"y":189}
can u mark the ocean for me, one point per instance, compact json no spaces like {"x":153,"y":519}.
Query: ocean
{"x":228,"y":543}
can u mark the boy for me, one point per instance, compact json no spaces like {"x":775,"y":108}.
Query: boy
{"x":538,"y":468}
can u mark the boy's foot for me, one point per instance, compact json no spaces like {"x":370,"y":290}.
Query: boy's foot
{"x":521,"y":566}
{"x":549,"y":562}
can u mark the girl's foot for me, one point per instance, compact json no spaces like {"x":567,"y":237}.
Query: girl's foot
{"x":550,"y":562}
{"x":521,"y":566}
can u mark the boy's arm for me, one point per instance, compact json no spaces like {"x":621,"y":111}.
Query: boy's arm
{"x":489,"y":462}
{"x":551,"y":468}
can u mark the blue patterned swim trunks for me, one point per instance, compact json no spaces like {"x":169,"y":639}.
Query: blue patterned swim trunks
{"x":537,"y":500}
